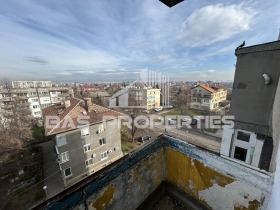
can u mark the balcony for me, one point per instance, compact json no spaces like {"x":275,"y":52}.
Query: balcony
{"x":63,"y":95}
{"x":162,"y":165}
{"x":20,"y":98}
{"x":202,"y":96}
{"x":43,"y":95}
{"x":6,"y":106}
{"x":207,"y":96}
{"x":23,"y":104}
{"x":197,"y":95}
{"x":7,"y":99}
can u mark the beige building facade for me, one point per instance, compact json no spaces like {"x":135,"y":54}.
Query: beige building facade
{"x":148,"y":98}
{"x":207,"y":98}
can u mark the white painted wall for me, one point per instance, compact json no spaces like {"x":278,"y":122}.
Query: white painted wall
{"x":123,"y":99}
{"x":226,"y":141}
{"x":274,"y":202}
{"x":257,"y":152}
{"x":229,"y":140}
{"x":45,"y":100}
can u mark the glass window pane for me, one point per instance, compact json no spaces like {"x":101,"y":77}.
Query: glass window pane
{"x":243,"y":136}
{"x":67,"y":172}
{"x":240,"y":153}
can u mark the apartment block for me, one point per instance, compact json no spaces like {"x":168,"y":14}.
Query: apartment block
{"x":253,"y":140}
{"x":31,"y":84}
{"x":10,"y":104}
{"x":83,"y":149}
{"x":204,"y":97}
{"x":36,"y":98}
{"x":146,"y":98}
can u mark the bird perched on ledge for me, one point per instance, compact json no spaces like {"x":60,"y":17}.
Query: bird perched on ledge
{"x":240,"y":46}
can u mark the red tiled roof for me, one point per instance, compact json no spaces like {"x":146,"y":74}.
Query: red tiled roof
{"x":206,"y":88}
{"x":76,"y":109}
{"x":216,"y":87}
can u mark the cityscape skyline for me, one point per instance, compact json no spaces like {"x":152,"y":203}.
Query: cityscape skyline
{"x":69,"y":41}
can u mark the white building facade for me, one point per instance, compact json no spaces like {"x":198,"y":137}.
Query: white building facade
{"x":31,"y":84}
{"x":38,"y":98}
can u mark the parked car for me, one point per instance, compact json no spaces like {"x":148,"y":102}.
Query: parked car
{"x":146,"y":111}
{"x":157,"y":109}
{"x":144,"y":138}
{"x":187,"y":119}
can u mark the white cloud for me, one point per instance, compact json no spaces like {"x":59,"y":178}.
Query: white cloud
{"x":214,"y":23}
{"x":214,"y":75}
{"x":162,"y":57}
{"x":109,"y":70}
{"x":63,"y":73}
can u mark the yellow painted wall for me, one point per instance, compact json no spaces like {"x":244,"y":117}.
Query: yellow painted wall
{"x":192,"y":176}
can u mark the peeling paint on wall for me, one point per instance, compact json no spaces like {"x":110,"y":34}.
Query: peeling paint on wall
{"x":234,"y":195}
{"x":213,"y":181}
{"x":252,"y":205}
{"x":192,"y":178}
{"x":262,"y":180}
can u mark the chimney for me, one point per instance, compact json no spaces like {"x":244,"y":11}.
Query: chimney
{"x":87,"y":103}
{"x":67,"y":103}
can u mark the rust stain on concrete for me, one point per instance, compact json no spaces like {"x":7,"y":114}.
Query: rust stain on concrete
{"x":105,"y":199}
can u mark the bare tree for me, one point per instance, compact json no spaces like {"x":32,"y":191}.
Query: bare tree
{"x":183,"y":99}
{"x":15,"y":119}
{"x":77,"y":94}
{"x":133,"y":113}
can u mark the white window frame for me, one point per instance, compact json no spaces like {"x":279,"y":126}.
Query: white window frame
{"x":85,"y":132}
{"x":69,"y":174}
{"x":62,"y":160}
{"x":87,"y":148}
{"x":61,"y":140}
{"x":87,"y":162}
{"x":249,"y":146}
{"x":102,"y":141}
{"x":206,"y":100}
{"x":104,"y":155}
{"x":56,"y":149}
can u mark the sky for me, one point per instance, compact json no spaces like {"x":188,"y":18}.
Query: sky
{"x":114,"y":40}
